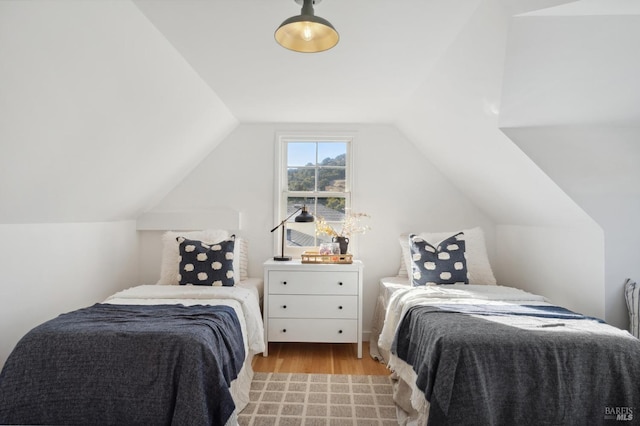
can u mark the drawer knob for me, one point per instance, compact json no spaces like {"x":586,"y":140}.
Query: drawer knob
{"x":284,"y":283}
{"x":284,"y":306}
{"x":339,"y":331}
{"x":340,"y":283}
{"x":284,"y":330}
{"x":339,"y":307}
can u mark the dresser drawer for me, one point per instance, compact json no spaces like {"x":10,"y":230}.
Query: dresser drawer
{"x":317,"y":306}
{"x":313,"y":282}
{"x":313,"y":330}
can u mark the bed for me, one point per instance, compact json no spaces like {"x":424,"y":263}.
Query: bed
{"x":151,"y":354}
{"x":478,"y":353}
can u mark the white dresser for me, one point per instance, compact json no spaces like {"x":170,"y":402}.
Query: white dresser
{"x":312,"y":303}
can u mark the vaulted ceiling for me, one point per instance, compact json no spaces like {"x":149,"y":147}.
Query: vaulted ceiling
{"x":116,"y":101}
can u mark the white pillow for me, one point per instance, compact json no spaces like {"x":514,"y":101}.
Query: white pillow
{"x":476,"y":254}
{"x":171,"y":255}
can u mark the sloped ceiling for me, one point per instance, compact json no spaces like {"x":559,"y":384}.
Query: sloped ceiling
{"x":453,"y":117}
{"x":432,"y":68}
{"x":99,"y":115}
{"x":575,"y":64}
{"x":571,"y":99}
{"x":115,"y":101}
{"x":385,"y":51}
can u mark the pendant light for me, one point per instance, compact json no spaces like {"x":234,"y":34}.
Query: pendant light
{"x":306,"y":32}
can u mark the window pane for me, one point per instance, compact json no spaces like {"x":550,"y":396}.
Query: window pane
{"x":301,"y":179}
{"x":301,"y":154}
{"x":331,"y":179}
{"x":301,"y":234}
{"x":313,"y":167}
{"x":332,"y":153}
{"x":331,"y":209}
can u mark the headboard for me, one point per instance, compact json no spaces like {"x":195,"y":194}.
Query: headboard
{"x":152,"y":225}
{"x":189,"y":220}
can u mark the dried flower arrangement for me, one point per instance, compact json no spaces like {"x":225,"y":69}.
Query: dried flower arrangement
{"x":350,"y":226}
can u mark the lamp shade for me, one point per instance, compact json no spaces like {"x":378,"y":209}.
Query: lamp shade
{"x":304,"y":216}
{"x":306,"y":32}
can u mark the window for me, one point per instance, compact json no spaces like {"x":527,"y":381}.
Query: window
{"x":312,"y":171}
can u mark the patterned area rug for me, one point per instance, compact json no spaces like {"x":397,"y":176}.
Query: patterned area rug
{"x":319,"y":399}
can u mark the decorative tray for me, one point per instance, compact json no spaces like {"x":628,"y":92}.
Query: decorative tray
{"x":315,"y":257}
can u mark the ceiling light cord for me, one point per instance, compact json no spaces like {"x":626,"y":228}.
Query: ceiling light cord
{"x":307,"y":8}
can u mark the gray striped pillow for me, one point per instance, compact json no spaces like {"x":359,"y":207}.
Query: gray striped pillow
{"x":632,"y":296}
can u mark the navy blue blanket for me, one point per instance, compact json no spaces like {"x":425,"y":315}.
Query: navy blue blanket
{"x":474,"y":371}
{"x":125,"y":365}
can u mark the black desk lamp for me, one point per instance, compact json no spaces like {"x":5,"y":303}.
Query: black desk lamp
{"x":304,"y":216}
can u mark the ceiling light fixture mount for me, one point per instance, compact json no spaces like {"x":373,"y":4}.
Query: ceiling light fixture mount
{"x":307,"y":33}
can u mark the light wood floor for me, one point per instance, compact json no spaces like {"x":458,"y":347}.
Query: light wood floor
{"x":320,"y":358}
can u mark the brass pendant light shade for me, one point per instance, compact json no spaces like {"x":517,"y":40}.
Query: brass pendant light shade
{"x":306,"y":32}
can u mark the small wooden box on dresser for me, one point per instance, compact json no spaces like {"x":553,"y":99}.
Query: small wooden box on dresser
{"x":319,"y":303}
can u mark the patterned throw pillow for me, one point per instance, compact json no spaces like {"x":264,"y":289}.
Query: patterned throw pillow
{"x":206,"y":264}
{"x":445,"y":264}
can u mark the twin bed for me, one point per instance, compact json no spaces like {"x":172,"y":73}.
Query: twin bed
{"x":481,"y":354}
{"x":151,"y":354}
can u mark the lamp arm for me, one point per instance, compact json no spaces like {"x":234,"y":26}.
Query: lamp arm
{"x":281,"y":224}
{"x":288,"y":217}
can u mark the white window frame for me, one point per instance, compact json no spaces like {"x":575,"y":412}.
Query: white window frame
{"x":281,"y":192}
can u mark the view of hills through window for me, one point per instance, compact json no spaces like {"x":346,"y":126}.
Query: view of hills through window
{"x":317,"y":178}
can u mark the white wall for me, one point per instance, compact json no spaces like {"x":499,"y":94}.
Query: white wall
{"x":49,"y":269}
{"x":394,"y":183}
{"x":564,"y":264}
{"x":620,"y":218}
{"x":597,"y":167}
